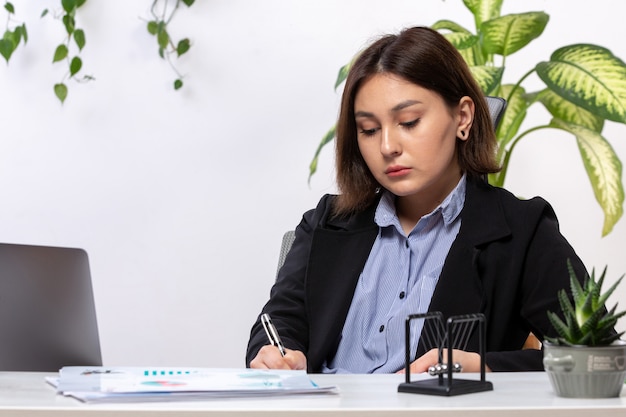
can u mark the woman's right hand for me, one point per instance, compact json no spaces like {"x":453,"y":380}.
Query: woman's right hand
{"x":269,"y":357}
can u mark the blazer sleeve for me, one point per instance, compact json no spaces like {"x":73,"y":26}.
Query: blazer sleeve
{"x":543,"y":274}
{"x":286,"y":303}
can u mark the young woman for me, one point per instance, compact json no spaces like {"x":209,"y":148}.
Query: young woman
{"x":415,"y":228}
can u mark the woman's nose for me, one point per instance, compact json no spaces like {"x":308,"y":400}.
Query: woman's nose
{"x":389,"y":144}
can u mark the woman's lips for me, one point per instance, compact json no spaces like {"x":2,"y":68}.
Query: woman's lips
{"x":397,"y":171}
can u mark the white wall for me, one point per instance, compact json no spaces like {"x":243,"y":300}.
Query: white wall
{"x":181,"y":198}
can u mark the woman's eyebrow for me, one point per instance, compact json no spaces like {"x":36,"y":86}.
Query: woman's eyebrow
{"x":395,"y":109}
{"x":403,"y":105}
{"x":364,"y":114}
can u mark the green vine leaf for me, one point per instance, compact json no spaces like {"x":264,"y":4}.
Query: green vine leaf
{"x":68,"y":5}
{"x":183,"y":47}
{"x":9,"y":7}
{"x":75,"y":65}
{"x":60,"y":53}
{"x":6,"y":48}
{"x":69,"y":23}
{"x":163,"y":38}
{"x":589,"y":76}
{"x":188,"y":3}
{"x":153,"y":27}
{"x":79,"y":38}
{"x":178,"y":84}
{"x":603,"y":168}
{"x":23,"y":32}
{"x":508,"y":34}
{"x":60,"y":90}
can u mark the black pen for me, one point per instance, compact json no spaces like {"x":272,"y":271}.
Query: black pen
{"x":272,"y":333}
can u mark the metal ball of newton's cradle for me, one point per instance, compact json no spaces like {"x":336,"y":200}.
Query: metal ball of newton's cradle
{"x":442,"y":368}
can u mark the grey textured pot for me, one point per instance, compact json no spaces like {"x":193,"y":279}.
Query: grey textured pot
{"x":584,"y":371}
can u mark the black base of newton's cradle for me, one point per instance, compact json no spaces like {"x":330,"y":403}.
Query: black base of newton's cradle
{"x":436,"y":387}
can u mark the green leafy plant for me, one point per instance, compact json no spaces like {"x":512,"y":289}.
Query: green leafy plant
{"x":69,"y":50}
{"x":587,"y":322}
{"x":14,"y":33}
{"x":585,"y":85}
{"x":158,"y":27}
{"x":75,"y":38}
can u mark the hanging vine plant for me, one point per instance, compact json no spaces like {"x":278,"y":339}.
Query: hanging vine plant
{"x":14,"y":33}
{"x":64,"y":52}
{"x":68,"y":51}
{"x":162,"y":14}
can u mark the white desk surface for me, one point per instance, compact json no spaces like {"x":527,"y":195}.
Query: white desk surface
{"x":26,"y":394}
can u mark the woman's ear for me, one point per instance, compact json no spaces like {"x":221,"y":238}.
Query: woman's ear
{"x":466,"y":117}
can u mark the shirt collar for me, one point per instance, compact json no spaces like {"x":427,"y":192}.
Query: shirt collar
{"x":450,"y":207}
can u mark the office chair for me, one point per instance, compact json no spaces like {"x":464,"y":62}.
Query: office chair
{"x":285,"y":246}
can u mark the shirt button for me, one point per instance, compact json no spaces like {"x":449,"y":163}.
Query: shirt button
{"x":406,"y":242}
{"x":402,"y":295}
{"x":381,"y":328}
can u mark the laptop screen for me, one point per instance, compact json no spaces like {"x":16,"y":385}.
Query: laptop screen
{"x":47,"y":310}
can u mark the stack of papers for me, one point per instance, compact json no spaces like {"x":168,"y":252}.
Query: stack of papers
{"x":123,"y":384}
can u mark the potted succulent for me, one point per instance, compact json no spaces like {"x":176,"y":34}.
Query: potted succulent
{"x":588,"y":358}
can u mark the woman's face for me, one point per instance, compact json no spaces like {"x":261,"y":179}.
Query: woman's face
{"x":407,"y":136}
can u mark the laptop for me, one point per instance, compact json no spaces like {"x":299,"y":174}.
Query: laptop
{"x":47,"y":309}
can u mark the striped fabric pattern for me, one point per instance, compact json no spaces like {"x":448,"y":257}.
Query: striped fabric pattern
{"x":398,"y":279}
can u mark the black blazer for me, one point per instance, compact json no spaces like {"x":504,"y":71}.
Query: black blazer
{"x":507,"y":262}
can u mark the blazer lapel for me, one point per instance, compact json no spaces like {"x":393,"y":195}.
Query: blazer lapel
{"x":460,"y":287}
{"x":339,"y":251}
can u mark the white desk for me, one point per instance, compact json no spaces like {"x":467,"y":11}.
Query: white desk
{"x":515,"y":394}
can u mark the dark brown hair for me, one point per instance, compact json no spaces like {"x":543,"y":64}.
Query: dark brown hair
{"x":424,"y":57}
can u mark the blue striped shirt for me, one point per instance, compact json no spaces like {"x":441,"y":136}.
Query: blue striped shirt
{"x":398,"y":279}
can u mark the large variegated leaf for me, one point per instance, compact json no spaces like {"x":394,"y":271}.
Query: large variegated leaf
{"x":487,"y":77}
{"x":603,"y":168}
{"x":513,"y":117}
{"x":508,"y":34}
{"x":449,"y":25}
{"x":456,"y":34}
{"x":483,"y":10}
{"x":343,"y":74}
{"x":470,"y":57}
{"x":329,"y":136}
{"x":568,"y":111}
{"x":590,"y":76}
{"x":461,"y":40}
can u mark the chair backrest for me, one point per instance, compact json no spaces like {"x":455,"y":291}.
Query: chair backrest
{"x":496,"y":105}
{"x":285,"y":246}
{"x":47,"y":310}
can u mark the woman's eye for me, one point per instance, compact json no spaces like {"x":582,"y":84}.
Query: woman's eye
{"x":410,"y":124}
{"x":368,"y":132}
